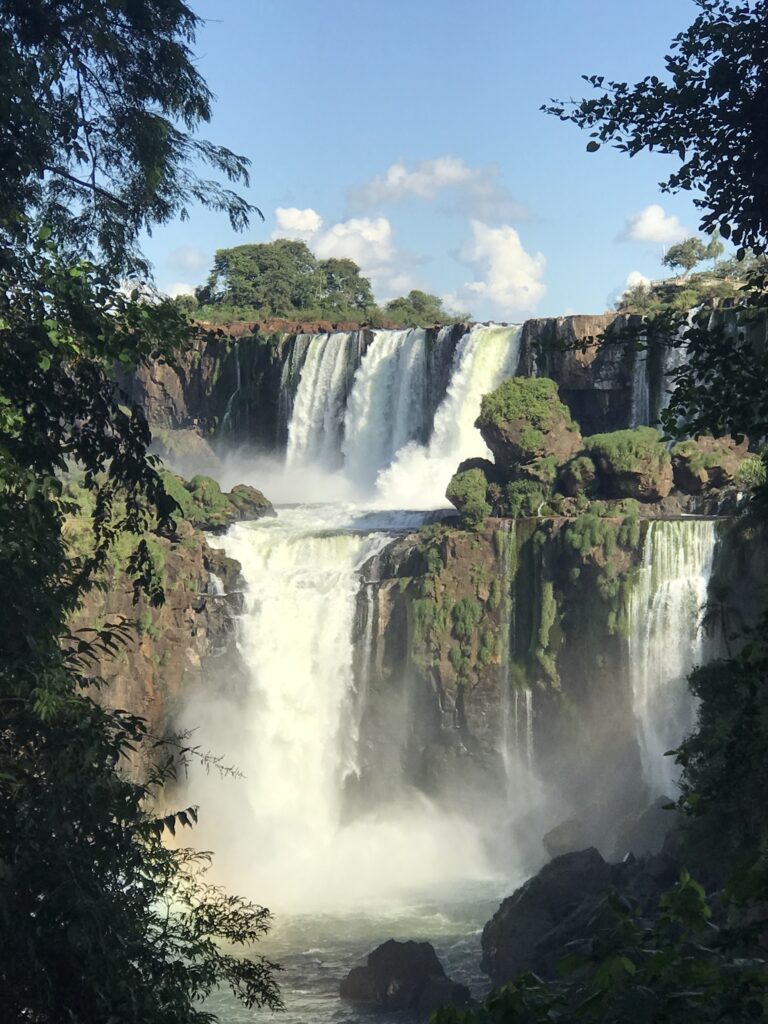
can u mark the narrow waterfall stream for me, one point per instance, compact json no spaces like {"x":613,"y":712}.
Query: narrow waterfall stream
{"x":666,"y":639}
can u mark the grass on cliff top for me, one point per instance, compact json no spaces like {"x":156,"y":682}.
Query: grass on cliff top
{"x":629,"y":451}
{"x":533,"y":399}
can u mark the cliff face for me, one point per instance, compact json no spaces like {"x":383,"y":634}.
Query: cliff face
{"x":229,"y":385}
{"x":506,"y":642}
{"x":170,"y":648}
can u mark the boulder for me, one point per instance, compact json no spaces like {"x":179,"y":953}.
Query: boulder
{"x":646,"y":833}
{"x":579,"y":476}
{"x":250,"y":503}
{"x":707,"y":462}
{"x":524,"y":422}
{"x":524,"y":919}
{"x":631,"y":464}
{"x":403,"y":976}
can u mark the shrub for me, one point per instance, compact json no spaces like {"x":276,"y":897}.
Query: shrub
{"x":467,"y":491}
{"x":629,"y":451}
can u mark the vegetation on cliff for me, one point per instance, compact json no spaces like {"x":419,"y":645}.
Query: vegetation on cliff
{"x":109,"y":922}
{"x":284,"y":279}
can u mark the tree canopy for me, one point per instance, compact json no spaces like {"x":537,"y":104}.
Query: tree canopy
{"x":419,"y":307}
{"x":284,"y":279}
{"x":100,"y":101}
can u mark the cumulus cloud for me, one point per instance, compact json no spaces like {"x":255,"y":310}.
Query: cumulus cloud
{"x":477,"y":191}
{"x":509,"y":278}
{"x":368,"y":241}
{"x":652,"y":224}
{"x":179,"y":288}
{"x":188,"y":258}
{"x":295,"y":223}
{"x":635,"y":278}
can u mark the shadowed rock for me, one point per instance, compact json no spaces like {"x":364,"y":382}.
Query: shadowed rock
{"x":403,"y":976}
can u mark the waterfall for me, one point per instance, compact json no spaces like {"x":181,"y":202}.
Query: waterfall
{"x":387,"y":405}
{"x":420,"y":473}
{"x":640,"y":413}
{"x":291,"y":728}
{"x":666,"y":639}
{"x":314,"y":433}
{"x":225,"y":422}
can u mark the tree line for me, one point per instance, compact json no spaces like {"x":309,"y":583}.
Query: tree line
{"x":284,"y":279}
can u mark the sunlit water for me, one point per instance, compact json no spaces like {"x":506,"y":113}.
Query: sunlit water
{"x":317,"y":951}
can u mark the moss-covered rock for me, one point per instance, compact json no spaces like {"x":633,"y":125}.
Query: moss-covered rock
{"x":524,"y":422}
{"x":706,"y":462}
{"x":579,"y":476}
{"x":203,"y":503}
{"x":632,"y":464}
{"x":467,"y":491}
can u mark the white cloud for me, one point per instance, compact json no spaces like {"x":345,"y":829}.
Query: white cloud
{"x":179,"y":288}
{"x":188,"y":258}
{"x":477,"y":190}
{"x":368,"y":241}
{"x":652,"y":224}
{"x":295,"y":223}
{"x":635,"y":278}
{"x":510,"y":281}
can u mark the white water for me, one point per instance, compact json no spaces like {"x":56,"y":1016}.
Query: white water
{"x":366,"y":428}
{"x":666,"y":639}
{"x":419,"y":474}
{"x":386,"y":408}
{"x":279,"y":834}
{"x":314,"y":432}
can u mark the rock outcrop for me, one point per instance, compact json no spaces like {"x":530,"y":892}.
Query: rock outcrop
{"x":173,"y":647}
{"x":524,"y":422}
{"x":564,"y":903}
{"x":703,"y":463}
{"x":631,"y":464}
{"x":403,"y":976}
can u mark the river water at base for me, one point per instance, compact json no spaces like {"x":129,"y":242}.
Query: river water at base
{"x":317,"y":951}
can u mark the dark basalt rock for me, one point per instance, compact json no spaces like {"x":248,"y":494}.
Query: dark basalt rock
{"x":524,"y":919}
{"x":403,"y":976}
{"x":564,"y":903}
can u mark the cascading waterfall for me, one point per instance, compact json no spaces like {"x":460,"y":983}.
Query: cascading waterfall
{"x":420,"y":473}
{"x":314,"y":434}
{"x":667,"y":639}
{"x":368,"y":416}
{"x":291,"y":732}
{"x":386,"y":408}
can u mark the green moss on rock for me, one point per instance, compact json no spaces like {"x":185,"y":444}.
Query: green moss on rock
{"x":632,"y":463}
{"x":467,"y":491}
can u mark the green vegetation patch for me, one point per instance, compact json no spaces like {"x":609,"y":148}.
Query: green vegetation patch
{"x":534,"y":399}
{"x":467,"y":491}
{"x":629,"y":451}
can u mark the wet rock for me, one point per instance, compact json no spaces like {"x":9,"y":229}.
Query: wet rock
{"x":646,"y":833}
{"x":525,"y":919}
{"x":403,"y":976}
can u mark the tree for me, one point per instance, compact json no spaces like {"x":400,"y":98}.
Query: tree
{"x":419,"y":307}
{"x":99,"y":102}
{"x":105,"y":921}
{"x":686,"y":255}
{"x":343,"y":290}
{"x":274,"y":278}
{"x":709,"y":112}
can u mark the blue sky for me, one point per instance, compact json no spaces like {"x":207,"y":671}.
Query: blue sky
{"x":407,"y":135}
